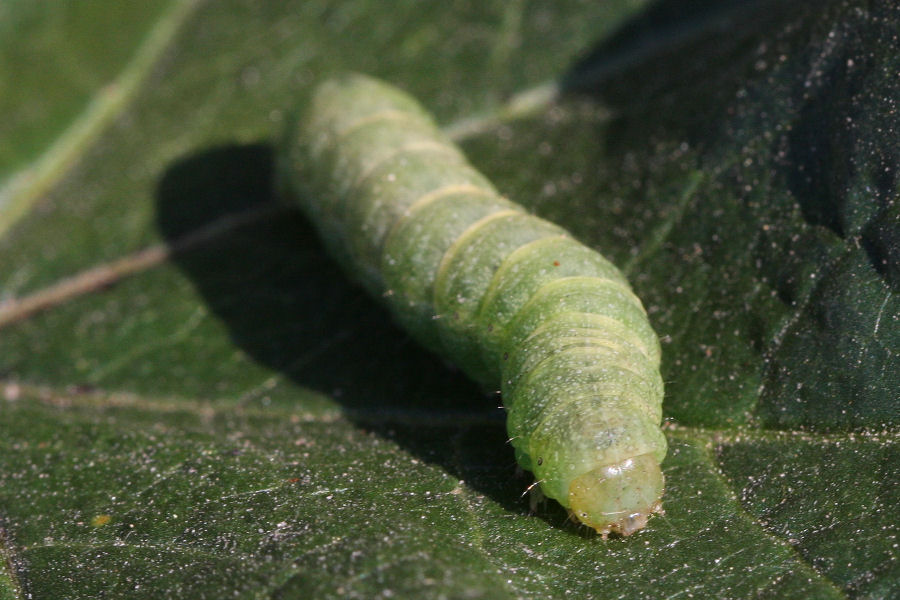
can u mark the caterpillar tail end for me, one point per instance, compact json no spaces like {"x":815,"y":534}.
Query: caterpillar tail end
{"x":618,"y":498}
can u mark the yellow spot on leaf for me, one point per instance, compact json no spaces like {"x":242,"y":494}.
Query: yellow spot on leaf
{"x":100,"y":520}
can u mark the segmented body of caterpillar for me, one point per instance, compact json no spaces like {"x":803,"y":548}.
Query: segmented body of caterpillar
{"x":510,"y":298}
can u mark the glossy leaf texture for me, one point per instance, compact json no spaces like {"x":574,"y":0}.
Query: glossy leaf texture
{"x":216,"y":411}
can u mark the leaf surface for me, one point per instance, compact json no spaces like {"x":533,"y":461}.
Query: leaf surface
{"x":210,"y":408}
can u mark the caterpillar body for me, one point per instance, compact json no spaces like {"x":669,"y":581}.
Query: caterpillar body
{"x":510,"y":298}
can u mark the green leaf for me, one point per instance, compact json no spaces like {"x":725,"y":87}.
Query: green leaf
{"x":196,"y":403}
{"x":54,"y":56}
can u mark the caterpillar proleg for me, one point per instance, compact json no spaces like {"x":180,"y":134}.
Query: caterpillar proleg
{"x":512,"y":299}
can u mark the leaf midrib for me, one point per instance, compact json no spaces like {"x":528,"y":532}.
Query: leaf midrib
{"x":22,"y":189}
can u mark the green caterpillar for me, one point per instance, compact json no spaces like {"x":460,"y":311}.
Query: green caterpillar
{"x":510,"y":298}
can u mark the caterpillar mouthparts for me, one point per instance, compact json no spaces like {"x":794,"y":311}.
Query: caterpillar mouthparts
{"x":618,"y":498}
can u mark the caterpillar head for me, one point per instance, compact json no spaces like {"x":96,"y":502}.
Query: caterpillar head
{"x":618,"y":498}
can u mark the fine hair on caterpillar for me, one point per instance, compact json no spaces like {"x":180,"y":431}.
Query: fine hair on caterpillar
{"x":511,"y":299}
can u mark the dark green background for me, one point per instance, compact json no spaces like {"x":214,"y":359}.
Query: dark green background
{"x":242,"y":422}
